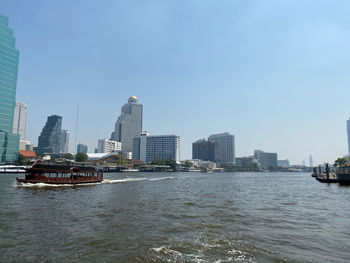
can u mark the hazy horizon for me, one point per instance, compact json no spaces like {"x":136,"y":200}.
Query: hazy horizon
{"x":272,"y":73}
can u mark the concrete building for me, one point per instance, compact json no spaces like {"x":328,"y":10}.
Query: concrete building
{"x":20,"y":120}
{"x":82,"y":148}
{"x":25,"y":146}
{"x":64,"y":148}
{"x":266,"y":160}
{"x":9,"y":57}
{"x":348,"y":131}
{"x":206,"y":150}
{"x":245,"y":161}
{"x":49,"y":140}
{"x":283,"y":163}
{"x":108,"y":146}
{"x":129,"y":124}
{"x":162,"y":147}
{"x":226,"y":144}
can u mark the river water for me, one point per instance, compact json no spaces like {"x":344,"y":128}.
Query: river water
{"x":177,"y":217}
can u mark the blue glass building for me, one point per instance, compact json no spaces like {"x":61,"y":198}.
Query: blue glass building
{"x":9,"y":55}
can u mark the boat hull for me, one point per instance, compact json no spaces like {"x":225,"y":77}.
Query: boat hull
{"x":33,"y":181}
{"x":343,"y":178}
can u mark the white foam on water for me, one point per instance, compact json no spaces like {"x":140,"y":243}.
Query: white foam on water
{"x":105,"y":181}
{"x":126,"y":180}
{"x":161,"y":178}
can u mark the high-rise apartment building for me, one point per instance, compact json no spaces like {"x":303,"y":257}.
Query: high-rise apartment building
{"x":20,"y":120}
{"x":162,"y":147}
{"x":266,"y":160}
{"x":9,"y":57}
{"x":108,"y":146}
{"x":311,"y":162}
{"x":64,"y":148}
{"x":348,"y":131}
{"x":82,"y":148}
{"x":128,"y":125}
{"x":206,"y":150}
{"x":226,"y":144}
{"x":49,"y":140}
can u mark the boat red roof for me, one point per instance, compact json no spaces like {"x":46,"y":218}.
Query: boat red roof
{"x":27,"y":154}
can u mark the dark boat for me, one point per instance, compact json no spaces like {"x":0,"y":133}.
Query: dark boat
{"x":343,"y":174}
{"x":61,"y":174}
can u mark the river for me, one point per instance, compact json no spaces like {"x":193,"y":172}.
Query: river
{"x":177,"y":217}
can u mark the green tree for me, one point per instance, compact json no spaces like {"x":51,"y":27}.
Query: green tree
{"x":171,"y":163}
{"x":340,"y":161}
{"x":188,"y":164}
{"x":68,"y":156}
{"x":121,"y":160}
{"x":21,"y":159}
{"x":158,"y":162}
{"x":81,"y":157}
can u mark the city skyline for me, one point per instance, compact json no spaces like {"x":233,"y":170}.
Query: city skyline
{"x":261,"y":95}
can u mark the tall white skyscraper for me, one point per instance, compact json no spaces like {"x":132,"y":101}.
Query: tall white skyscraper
{"x":64,"y":142}
{"x":348,"y":130}
{"x":20,"y":120}
{"x":128,"y":125}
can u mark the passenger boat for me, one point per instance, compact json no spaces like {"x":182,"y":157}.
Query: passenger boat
{"x":343,"y":174}
{"x":61,"y":174}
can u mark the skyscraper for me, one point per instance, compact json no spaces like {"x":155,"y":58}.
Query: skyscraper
{"x":64,"y":148}
{"x":311,"y":163}
{"x":348,"y":130}
{"x":206,"y":150}
{"x":49,"y":140}
{"x":9,"y":56}
{"x":226,"y":144}
{"x":20,"y":119}
{"x":82,"y":148}
{"x":128,"y":125}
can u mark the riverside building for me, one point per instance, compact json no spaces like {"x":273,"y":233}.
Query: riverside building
{"x":64,"y":148}
{"x":9,"y":57}
{"x":82,"y":148}
{"x":226,"y":144}
{"x":20,"y":120}
{"x":205,"y":150}
{"x":161,"y":147}
{"x":49,"y":140}
{"x":129,"y":124}
{"x":266,"y":160}
{"x":348,"y":131}
{"x":108,"y":146}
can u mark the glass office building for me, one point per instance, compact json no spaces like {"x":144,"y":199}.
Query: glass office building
{"x":49,"y":140}
{"x":9,"y":55}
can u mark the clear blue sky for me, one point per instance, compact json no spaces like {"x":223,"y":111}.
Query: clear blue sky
{"x":273,"y":73}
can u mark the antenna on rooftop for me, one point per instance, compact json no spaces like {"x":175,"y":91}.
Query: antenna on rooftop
{"x":76,"y":130}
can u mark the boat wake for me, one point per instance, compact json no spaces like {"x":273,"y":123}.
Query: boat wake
{"x":129,"y":180}
{"x":105,"y":181}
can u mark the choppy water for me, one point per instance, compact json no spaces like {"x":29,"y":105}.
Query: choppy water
{"x":177,"y":217}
